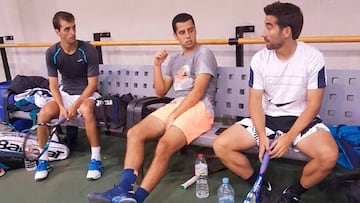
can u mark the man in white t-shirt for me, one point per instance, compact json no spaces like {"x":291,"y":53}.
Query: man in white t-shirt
{"x":287,"y":81}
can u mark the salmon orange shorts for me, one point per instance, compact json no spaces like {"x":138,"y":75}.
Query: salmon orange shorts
{"x":193,"y":122}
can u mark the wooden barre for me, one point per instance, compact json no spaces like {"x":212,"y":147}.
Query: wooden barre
{"x":318,"y":39}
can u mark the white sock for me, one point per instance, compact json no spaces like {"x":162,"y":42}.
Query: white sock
{"x":44,"y":156}
{"x":95,"y":153}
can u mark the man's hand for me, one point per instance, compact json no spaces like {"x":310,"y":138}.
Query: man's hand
{"x":71,"y":112}
{"x":160,"y":57}
{"x":63,"y":113}
{"x":264,"y":145}
{"x":169,"y":121}
{"x":280,"y":146}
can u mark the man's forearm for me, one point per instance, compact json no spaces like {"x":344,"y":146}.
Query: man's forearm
{"x":258,"y":118}
{"x":55,"y":92}
{"x":88,"y":91}
{"x":302,"y":122}
{"x":189,"y":101}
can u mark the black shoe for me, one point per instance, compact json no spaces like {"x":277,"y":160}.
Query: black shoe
{"x":265,"y":192}
{"x":288,"y":197}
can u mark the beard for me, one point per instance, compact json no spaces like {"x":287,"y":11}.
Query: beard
{"x":273,"y":46}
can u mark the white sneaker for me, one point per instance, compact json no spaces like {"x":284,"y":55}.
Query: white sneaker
{"x":42,"y":170}
{"x":94,"y":170}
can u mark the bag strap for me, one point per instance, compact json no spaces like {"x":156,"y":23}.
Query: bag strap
{"x":102,"y":109}
{"x":116,"y":107}
{"x":106,"y":118}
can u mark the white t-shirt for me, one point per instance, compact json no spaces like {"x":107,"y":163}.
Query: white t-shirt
{"x":285,"y":83}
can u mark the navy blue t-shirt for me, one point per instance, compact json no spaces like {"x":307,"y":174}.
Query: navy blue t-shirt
{"x":75,"y":68}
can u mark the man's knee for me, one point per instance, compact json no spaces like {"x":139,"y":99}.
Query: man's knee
{"x":329,"y":158}
{"x":326,"y":157}
{"x":42,"y":115}
{"x":133,"y":134}
{"x":164,"y":149}
{"x":47,"y":113}
{"x":148,"y":128}
{"x":219,"y":146}
{"x":87,"y":110}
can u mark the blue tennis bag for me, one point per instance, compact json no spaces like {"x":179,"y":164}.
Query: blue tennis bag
{"x":347,"y":138}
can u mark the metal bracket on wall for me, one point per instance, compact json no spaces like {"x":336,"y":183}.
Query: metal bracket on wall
{"x":239,"y":32}
{"x":97,"y":37}
{"x":4,"y":56}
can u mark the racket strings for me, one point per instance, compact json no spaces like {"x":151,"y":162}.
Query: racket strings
{"x":31,"y":152}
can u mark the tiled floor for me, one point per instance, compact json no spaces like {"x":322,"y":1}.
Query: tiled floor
{"x":67,"y":182}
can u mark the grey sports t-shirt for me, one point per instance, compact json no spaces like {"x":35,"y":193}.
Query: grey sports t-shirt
{"x":75,"y":68}
{"x":184,"y":69}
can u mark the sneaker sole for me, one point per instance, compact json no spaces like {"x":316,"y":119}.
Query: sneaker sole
{"x":103,"y":200}
{"x":49,"y":169}
{"x":119,"y":199}
{"x":98,"y":200}
{"x":93,"y":179}
{"x":127,"y":201}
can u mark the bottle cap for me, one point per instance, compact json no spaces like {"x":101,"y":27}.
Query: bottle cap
{"x":225,"y":180}
{"x":200,"y":155}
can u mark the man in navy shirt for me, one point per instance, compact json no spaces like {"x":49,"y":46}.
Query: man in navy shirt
{"x":78,"y":64}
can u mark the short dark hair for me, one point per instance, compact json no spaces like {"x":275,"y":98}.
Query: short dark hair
{"x":63,"y":15}
{"x":180,"y":18}
{"x":287,"y":14}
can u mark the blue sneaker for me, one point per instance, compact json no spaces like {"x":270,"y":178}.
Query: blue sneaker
{"x":42,"y":170}
{"x":94,"y":170}
{"x":114,"y":195}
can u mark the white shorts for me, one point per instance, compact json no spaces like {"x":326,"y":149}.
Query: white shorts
{"x":68,"y":99}
{"x":282,"y":125}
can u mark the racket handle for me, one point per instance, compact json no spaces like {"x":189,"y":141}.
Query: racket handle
{"x":189,"y":182}
{"x":62,"y":120}
{"x":265,"y":162}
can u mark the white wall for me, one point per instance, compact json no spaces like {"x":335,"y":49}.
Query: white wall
{"x":30,"y":21}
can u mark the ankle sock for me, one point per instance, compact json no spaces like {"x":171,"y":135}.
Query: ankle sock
{"x":128,"y":179}
{"x":140,"y":195}
{"x":95,"y":153}
{"x":44,"y":156}
{"x":297,"y":188}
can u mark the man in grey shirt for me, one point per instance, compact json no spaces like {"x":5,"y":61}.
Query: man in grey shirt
{"x":192,"y":74}
{"x":78,"y":64}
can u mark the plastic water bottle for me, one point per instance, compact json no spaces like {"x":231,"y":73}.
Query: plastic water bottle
{"x":201,"y":170}
{"x":225,"y":192}
{"x":29,"y":165}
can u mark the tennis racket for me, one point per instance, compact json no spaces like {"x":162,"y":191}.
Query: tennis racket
{"x":31,"y":153}
{"x":9,"y":150}
{"x":253,"y":195}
